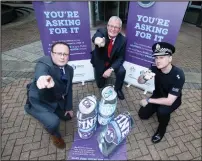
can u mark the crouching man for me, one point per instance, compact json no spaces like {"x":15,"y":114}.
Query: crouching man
{"x":166,"y":97}
{"x":109,"y":54}
{"x":50,"y":93}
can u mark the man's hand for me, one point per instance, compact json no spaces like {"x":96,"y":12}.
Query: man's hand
{"x":70,"y":113}
{"x":107,"y":73}
{"x":143,"y":102}
{"x":100,"y":41}
{"x":148,"y":74}
{"x":45,"y":82}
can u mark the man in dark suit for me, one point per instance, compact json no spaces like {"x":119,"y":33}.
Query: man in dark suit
{"x":50,"y":93}
{"x":109,"y":54}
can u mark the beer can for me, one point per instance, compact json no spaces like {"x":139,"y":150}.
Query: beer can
{"x":114,"y":133}
{"x":107,"y":105}
{"x":87,"y":117}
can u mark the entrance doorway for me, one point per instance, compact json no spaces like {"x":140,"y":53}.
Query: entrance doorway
{"x":105,"y":9}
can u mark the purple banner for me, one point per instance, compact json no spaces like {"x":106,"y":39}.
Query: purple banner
{"x":65,"y":21}
{"x":150,"y":22}
{"x":88,"y":149}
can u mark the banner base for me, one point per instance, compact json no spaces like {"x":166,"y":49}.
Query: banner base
{"x":132,"y":74}
{"x":83,"y":71}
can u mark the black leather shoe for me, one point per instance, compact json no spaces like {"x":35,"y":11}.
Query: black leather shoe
{"x":120,"y":95}
{"x":157,"y":137}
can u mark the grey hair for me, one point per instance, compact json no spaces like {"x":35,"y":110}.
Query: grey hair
{"x":116,"y":18}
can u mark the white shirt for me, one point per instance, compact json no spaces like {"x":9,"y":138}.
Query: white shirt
{"x":113,"y":40}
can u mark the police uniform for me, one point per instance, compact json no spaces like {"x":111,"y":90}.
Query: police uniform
{"x":170,"y":83}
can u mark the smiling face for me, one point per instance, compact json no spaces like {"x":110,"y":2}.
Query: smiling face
{"x":113,"y":27}
{"x":163,"y":61}
{"x":60,"y":54}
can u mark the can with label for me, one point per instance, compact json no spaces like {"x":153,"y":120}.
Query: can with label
{"x":87,"y":117}
{"x":107,"y":105}
{"x":114,"y":133}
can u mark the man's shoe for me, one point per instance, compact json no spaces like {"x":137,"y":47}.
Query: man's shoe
{"x":58,"y":142}
{"x":157,"y":137}
{"x":120,"y":95}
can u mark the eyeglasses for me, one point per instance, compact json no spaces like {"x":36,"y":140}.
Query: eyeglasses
{"x":115,"y":27}
{"x":61,"y":54}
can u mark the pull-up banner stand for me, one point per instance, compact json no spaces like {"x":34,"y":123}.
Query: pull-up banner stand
{"x":67,"y":22}
{"x":149,"y":22}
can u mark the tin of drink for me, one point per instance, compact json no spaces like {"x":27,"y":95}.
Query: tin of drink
{"x":107,"y":105}
{"x":87,"y":117}
{"x":114,"y":133}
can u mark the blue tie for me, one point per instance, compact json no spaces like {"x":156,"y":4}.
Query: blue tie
{"x":62,"y":74}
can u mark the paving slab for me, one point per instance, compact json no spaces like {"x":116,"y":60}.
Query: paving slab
{"x":18,"y":66}
{"x":192,"y":77}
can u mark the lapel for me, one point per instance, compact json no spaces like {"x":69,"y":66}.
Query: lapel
{"x":56,"y":73}
{"x":67,"y":75}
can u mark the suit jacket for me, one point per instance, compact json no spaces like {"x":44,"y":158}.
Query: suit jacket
{"x":60,"y":95}
{"x":99,"y":55}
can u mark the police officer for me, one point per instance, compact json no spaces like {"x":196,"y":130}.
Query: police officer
{"x":166,"y":97}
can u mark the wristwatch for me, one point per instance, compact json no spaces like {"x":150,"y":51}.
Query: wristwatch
{"x":111,"y":69}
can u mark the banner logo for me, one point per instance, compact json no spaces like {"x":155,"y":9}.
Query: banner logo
{"x":110,"y":135}
{"x":132,"y":69}
{"x":73,"y":66}
{"x":132,"y":72}
{"x":146,"y":4}
{"x":48,"y":2}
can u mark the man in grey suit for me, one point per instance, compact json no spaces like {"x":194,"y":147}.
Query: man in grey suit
{"x":50,"y":93}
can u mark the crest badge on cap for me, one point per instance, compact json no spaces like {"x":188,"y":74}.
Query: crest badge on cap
{"x":162,"y":48}
{"x":158,"y":47}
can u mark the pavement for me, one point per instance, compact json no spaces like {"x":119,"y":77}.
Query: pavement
{"x":24,"y":138}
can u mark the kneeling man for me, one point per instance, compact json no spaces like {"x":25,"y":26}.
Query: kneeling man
{"x":166,"y":97}
{"x":109,"y":54}
{"x":50,"y":93}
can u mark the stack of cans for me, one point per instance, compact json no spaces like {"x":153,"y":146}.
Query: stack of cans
{"x":107,"y":105}
{"x":115,"y":132}
{"x":87,"y":117}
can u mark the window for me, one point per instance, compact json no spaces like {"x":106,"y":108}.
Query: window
{"x":195,"y":4}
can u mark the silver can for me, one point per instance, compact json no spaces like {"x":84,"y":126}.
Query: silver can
{"x":87,"y":117}
{"x":107,"y":105}
{"x":114,"y":133}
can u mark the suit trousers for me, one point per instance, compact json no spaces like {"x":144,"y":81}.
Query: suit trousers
{"x":163,"y":114}
{"x":50,"y":120}
{"x":120,"y":76}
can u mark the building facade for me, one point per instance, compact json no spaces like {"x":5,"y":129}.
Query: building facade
{"x":101,"y":11}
